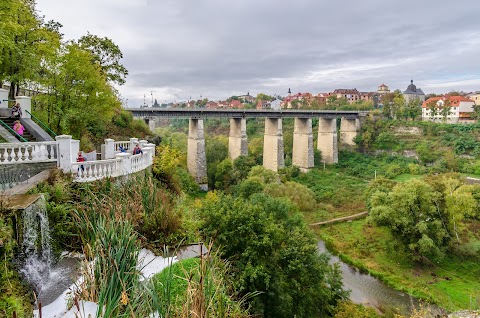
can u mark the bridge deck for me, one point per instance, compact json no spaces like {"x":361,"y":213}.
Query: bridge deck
{"x":243,"y":113}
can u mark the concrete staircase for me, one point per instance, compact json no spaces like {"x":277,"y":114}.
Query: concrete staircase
{"x":11,"y":122}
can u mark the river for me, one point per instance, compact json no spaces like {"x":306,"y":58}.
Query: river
{"x":369,"y":291}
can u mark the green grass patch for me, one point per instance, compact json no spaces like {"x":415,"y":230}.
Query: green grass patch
{"x":406,"y":176}
{"x":452,"y":283}
{"x":337,"y":193}
{"x":175,"y":278}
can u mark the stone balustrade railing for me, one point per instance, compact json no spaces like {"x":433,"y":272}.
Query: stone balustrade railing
{"x":24,"y":152}
{"x":64,"y":152}
{"x":95,"y":170}
{"x":125,"y":144}
{"x":123,"y":165}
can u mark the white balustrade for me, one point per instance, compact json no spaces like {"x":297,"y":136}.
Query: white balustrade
{"x":28,"y":152}
{"x":64,"y":151}
{"x":124,"y":144}
{"x":123,"y":164}
{"x":95,"y":170}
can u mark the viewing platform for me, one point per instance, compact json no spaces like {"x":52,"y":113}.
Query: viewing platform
{"x":63,"y":153}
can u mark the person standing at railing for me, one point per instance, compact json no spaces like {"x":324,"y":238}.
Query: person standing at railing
{"x":16,"y":111}
{"x":18,"y":127}
{"x":137,"y":150}
{"x":80,"y":158}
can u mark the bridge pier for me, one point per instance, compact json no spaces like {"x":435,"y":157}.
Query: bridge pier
{"x":349,"y":129}
{"x":152,"y":124}
{"x":196,"y":158}
{"x":327,"y":141}
{"x":273,"y":154}
{"x":237,"y":140}
{"x":303,"y":144}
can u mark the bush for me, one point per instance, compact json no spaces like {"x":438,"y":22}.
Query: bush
{"x":297,"y":193}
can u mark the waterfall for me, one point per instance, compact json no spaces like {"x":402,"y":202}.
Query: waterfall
{"x":36,"y":246}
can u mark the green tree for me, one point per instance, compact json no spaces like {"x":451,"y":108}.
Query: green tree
{"x":445,"y":110}
{"x":273,"y":252}
{"x":263,"y":97}
{"x":399,"y":105}
{"x":106,"y":54}
{"x":71,"y":84}
{"x":434,"y":110}
{"x":413,"y":213}
{"x":26,"y":43}
{"x":413,"y":109}
{"x":476,"y":112}
{"x":459,"y":203}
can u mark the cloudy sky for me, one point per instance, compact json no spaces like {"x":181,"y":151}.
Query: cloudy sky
{"x":179,"y":49}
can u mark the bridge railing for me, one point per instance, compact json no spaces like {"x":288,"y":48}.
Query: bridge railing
{"x":11,"y":153}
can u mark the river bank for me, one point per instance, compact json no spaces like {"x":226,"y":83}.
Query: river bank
{"x":451,"y":283}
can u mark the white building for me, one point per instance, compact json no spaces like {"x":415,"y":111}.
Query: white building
{"x":460,"y":109}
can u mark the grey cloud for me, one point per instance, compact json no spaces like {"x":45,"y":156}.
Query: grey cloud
{"x":218,"y":47}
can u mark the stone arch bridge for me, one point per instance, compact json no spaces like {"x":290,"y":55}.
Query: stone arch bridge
{"x":273,"y":154}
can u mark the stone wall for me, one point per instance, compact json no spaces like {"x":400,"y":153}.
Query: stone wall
{"x":13,"y":174}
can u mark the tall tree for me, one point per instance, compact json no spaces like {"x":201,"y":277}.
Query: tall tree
{"x":445,"y":110}
{"x":413,"y":109}
{"x":411,"y":212}
{"x":433,"y":108}
{"x":26,"y":42}
{"x":108,"y":55}
{"x":72,"y":85}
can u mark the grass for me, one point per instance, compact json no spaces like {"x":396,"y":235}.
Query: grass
{"x":338,"y":193}
{"x":451,"y":283}
{"x":406,"y":177}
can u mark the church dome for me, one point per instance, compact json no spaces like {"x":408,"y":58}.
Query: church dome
{"x":412,"y":87}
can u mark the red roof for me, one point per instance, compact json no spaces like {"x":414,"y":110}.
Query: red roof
{"x":454,"y":100}
{"x":236,"y":104}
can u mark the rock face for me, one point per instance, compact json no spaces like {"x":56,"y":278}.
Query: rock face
{"x":408,"y":131}
{"x":465,"y":314}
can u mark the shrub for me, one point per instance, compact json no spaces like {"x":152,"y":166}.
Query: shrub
{"x":297,"y":193}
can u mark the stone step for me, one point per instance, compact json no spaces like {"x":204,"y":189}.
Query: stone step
{"x":26,"y":134}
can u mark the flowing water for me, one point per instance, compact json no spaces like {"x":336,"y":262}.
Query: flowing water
{"x":49,"y":280}
{"x":369,"y":291}
{"x":37,"y":251}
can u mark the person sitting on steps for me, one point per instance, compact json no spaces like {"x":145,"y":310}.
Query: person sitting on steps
{"x":16,"y":111}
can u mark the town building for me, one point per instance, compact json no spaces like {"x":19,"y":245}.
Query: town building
{"x":383,"y":89}
{"x":211,"y":105}
{"x":246,"y":98}
{"x":261,"y":104}
{"x":475,"y":97}
{"x":235,"y":104}
{"x":287,"y":101}
{"x":461,"y":109}
{"x":413,"y":92}
{"x":352,"y":95}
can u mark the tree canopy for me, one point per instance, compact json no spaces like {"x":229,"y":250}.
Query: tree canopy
{"x":271,"y":251}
